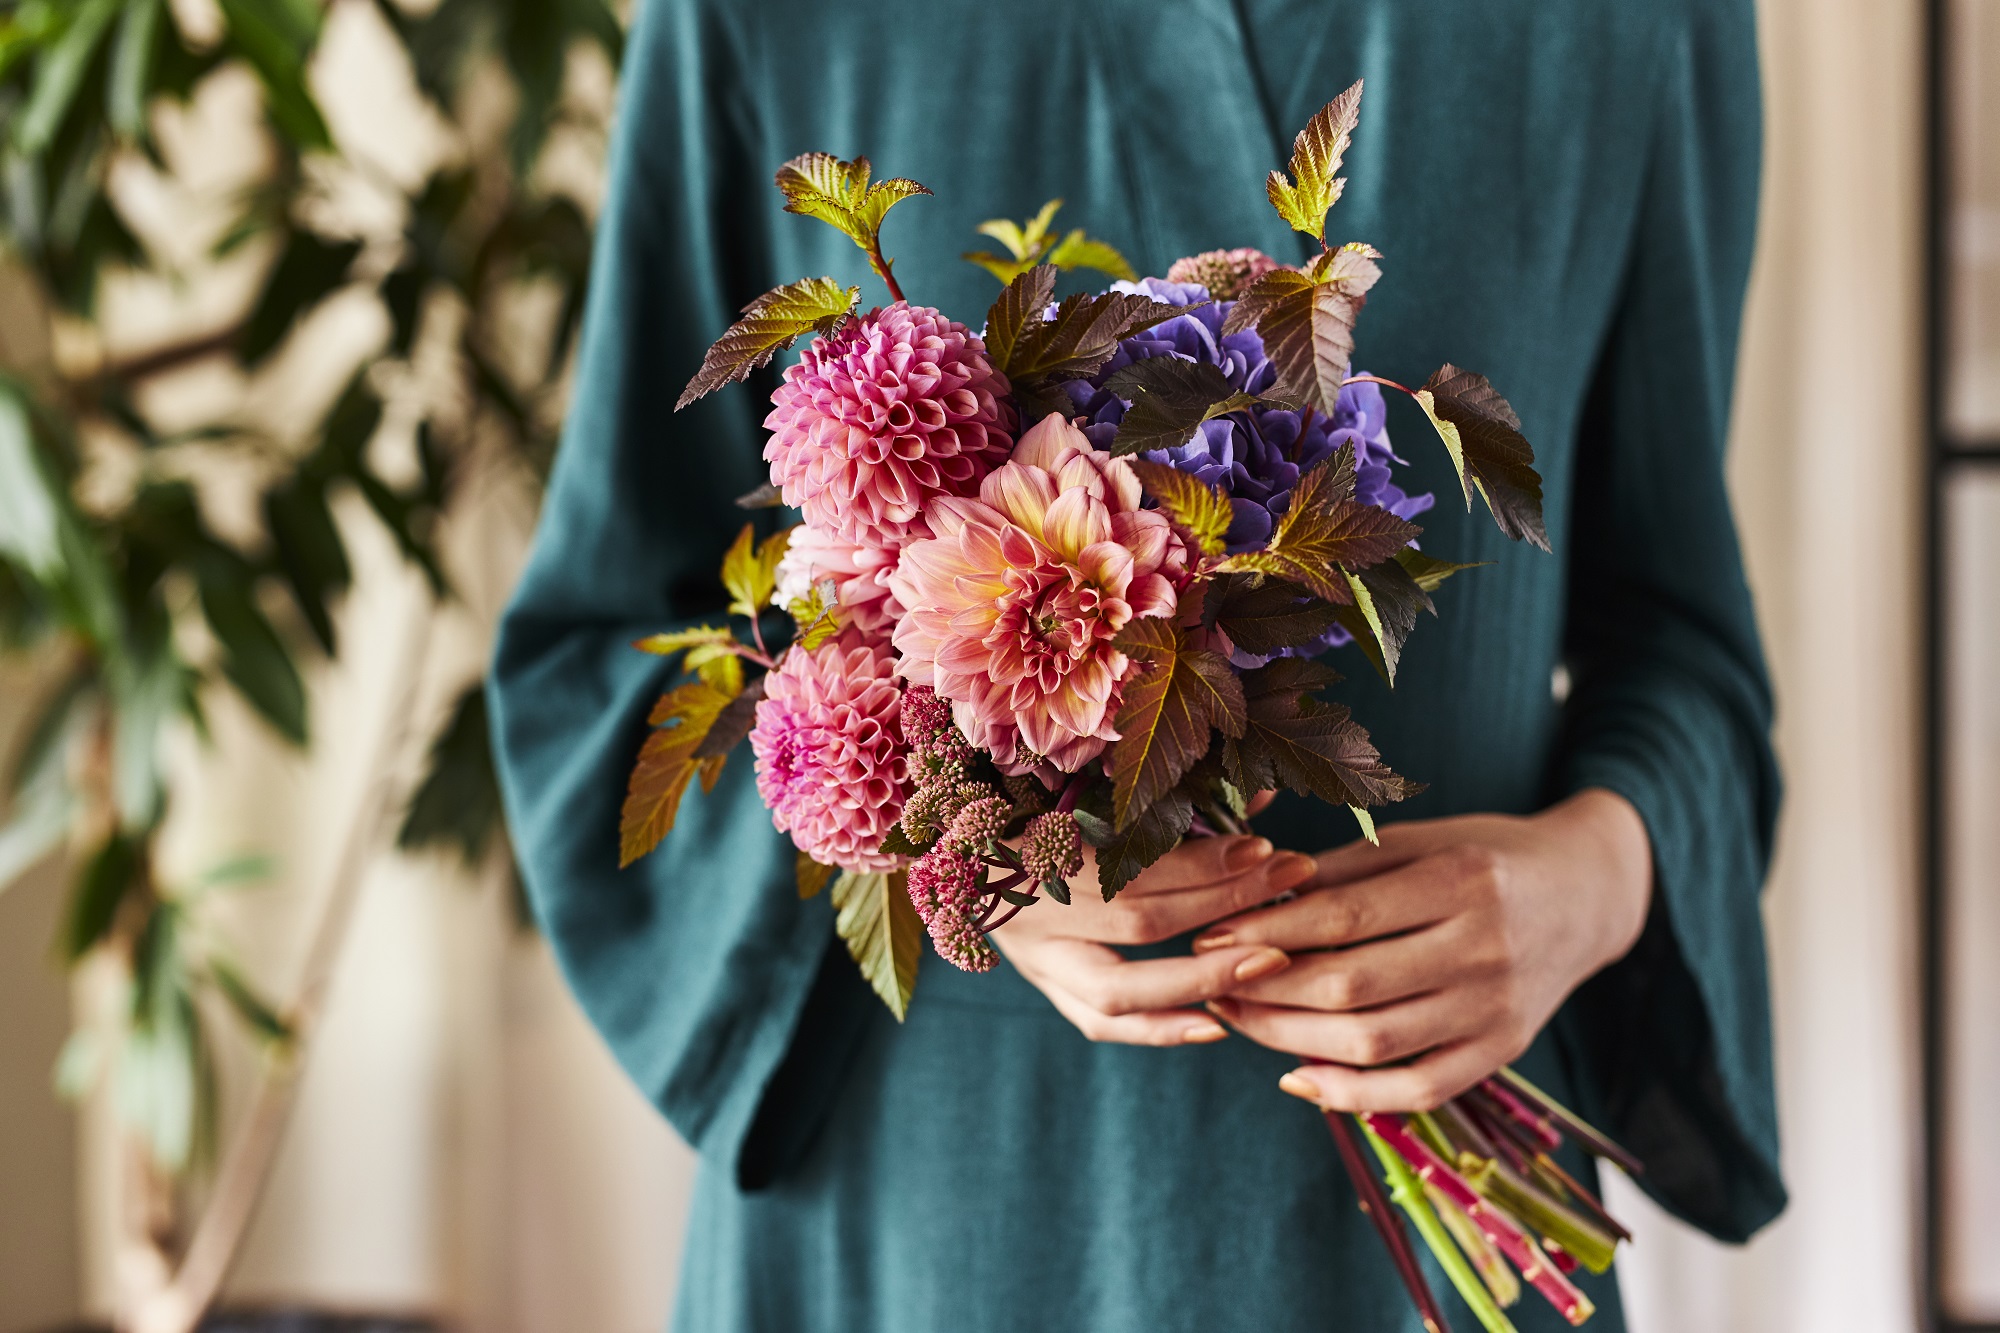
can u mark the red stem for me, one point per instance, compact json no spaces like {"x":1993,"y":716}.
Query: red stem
{"x":1579,"y":1128}
{"x":1536,"y":1267}
{"x":1071,"y":794}
{"x":1522,"y":1114}
{"x":1377,"y":379}
{"x":1389,"y":1226}
{"x":882,"y":267}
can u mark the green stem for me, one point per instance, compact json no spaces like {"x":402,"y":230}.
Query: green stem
{"x":1407,"y":1192}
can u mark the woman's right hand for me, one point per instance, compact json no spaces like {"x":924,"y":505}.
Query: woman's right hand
{"x":1065,"y":950}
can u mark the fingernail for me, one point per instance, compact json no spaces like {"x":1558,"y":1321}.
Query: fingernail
{"x":1262,"y":964}
{"x":1291,"y":868}
{"x":1203,"y":1033}
{"x":1247,"y":853}
{"x":1209,"y":943}
{"x":1301,"y":1087}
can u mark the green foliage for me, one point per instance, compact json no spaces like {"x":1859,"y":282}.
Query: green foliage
{"x":1297,"y":740}
{"x":667,"y":761}
{"x":1122,"y":854}
{"x":1030,"y":243}
{"x":875,"y":919}
{"x":1314,"y":188}
{"x":115,"y":586}
{"x":750,"y":570}
{"x":771,"y":323}
{"x":812,"y":876}
{"x":1386,"y":599}
{"x":1199,"y":510}
{"x":1307,"y":319}
{"x":820,"y":185}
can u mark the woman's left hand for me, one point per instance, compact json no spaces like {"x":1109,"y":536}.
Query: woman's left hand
{"x":1422,"y":965}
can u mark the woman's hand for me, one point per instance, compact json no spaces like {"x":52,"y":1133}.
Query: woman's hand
{"x":1064,"y":950}
{"x":1421,"y":966}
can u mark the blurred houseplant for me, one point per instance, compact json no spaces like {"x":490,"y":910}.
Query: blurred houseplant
{"x":142,"y":603}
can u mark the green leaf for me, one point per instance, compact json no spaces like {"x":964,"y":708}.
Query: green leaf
{"x":820,"y":185}
{"x":1077,"y":250}
{"x":132,"y":66}
{"x":1170,"y":397}
{"x":1169,"y":711}
{"x":1367,"y":823}
{"x":1483,"y":435}
{"x":666,"y":762}
{"x":101,"y":887}
{"x":30,"y":505}
{"x":817,"y":616}
{"x":458,"y":801}
{"x":750,"y":572}
{"x":771,"y":323}
{"x":1202,"y":512}
{"x":1083,"y":335}
{"x":897,"y":842}
{"x":249,"y":868}
{"x":148,"y":690}
{"x":1304,"y":200}
{"x":883,"y":934}
{"x":1430,"y":572}
{"x":257,"y":1014}
{"x":680,"y":640}
{"x":1386,"y":602}
{"x":276,"y":36}
{"x":309,"y":551}
{"x":1264,"y":618}
{"x":1307,"y":744}
{"x":1325,"y":532}
{"x":254,"y":658}
{"x":1307,"y":322}
{"x":308,"y":271}
{"x":812,"y":876}
{"x":59,"y":73}
{"x":1122,"y":855}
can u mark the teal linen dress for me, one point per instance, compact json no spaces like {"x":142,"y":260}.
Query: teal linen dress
{"x":1565,"y":191}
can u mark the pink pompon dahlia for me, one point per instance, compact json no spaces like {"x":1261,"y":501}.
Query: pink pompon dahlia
{"x":1227,"y":274}
{"x":859,"y":575}
{"x":831,"y":763}
{"x":898,"y":407}
{"x":1015,"y":600}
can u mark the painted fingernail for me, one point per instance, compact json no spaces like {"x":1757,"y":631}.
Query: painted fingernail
{"x":1262,"y":964}
{"x":1290,"y":868}
{"x":1203,"y":1033}
{"x":1247,"y":853}
{"x":1210,"y":943}
{"x":1301,"y":1087}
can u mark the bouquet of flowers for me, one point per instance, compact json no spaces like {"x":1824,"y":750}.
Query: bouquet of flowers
{"x":1066,"y":582}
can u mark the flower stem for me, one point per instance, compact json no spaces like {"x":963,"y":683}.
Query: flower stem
{"x":1579,"y":1128}
{"x":1071,"y":793}
{"x":1375,"y":1204}
{"x":1497,"y":1225}
{"x":1408,"y":1191}
{"x":1377,"y":379}
{"x":882,"y":268}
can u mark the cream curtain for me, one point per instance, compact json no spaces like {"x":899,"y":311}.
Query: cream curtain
{"x":464,"y":1144}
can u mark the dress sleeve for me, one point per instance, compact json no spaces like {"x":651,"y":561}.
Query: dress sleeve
{"x":697,"y":962}
{"x":1670,"y":703}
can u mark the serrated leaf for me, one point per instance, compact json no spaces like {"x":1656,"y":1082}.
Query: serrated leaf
{"x":731,"y":725}
{"x":1314,"y":187}
{"x":812,"y":876}
{"x":750,"y":572}
{"x":820,"y":185}
{"x":1367,"y":822}
{"x":1078,"y":340}
{"x":666,"y":645}
{"x":1170,"y":710}
{"x":1307,"y":322}
{"x":1308,"y":744}
{"x":1264,"y":618}
{"x":876,"y":920}
{"x":1121,"y":856}
{"x":1483,"y":436}
{"x":766,"y":496}
{"x":771,"y":323}
{"x":817,"y":616}
{"x":897,"y":842}
{"x":1077,"y":250}
{"x":1386,"y":602}
{"x":1430,"y":572}
{"x":1325,"y":532}
{"x":1202,"y":512}
{"x":1170,"y":396}
{"x":666,"y":762}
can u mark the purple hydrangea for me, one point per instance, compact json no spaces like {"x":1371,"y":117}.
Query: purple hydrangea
{"x":1255,"y":457}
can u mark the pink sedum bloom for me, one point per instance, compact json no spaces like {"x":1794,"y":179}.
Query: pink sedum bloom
{"x":831,"y":763}
{"x":898,"y":407}
{"x":859,"y":574}
{"x":1015,"y":601}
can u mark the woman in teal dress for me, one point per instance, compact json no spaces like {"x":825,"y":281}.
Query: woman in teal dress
{"x":1565,"y":192}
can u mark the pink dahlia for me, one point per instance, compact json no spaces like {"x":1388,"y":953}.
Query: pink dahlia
{"x":831,"y":763}
{"x":875,"y":421}
{"x":1015,"y":600}
{"x":859,"y":575}
{"x":1226,"y":274}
